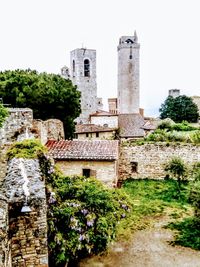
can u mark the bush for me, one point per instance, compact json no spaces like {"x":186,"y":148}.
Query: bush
{"x":195,"y":199}
{"x":3,"y":114}
{"x":189,"y":233}
{"x":28,"y":149}
{"x":84,"y":219}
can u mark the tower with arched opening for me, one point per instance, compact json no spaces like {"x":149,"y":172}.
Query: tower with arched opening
{"x":83,"y":74}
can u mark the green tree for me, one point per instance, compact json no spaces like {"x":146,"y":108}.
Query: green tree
{"x":48,"y":95}
{"x":3,"y":114}
{"x":177,"y":169}
{"x":181,"y":108}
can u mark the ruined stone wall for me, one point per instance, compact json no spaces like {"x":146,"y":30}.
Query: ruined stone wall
{"x":18,"y":123}
{"x":5,"y":259}
{"x":28,"y":236}
{"x":147,"y":161}
{"x":24,"y":191}
{"x":49,"y":129}
{"x":3,"y":162}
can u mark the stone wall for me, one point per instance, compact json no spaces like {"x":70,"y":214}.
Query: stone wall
{"x":18,"y":123}
{"x":5,"y":259}
{"x":148,"y":160}
{"x":3,"y":162}
{"x":105,"y":171}
{"x":49,"y":129}
{"x":24,"y":193}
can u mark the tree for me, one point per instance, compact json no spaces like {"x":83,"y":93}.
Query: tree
{"x":176,"y":167}
{"x":3,"y":114}
{"x":181,"y":108}
{"x":48,"y":95}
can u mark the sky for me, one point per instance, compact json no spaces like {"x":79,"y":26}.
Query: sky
{"x":39,"y":34}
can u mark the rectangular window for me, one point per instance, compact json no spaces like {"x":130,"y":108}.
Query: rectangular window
{"x":97,"y":134}
{"x":87,"y":134}
{"x":86,"y":172}
{"x":134,"y":166}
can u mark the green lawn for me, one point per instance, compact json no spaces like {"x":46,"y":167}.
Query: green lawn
{"x":152,"y":198}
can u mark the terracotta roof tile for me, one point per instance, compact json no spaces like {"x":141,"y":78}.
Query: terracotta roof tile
{"x":83,"y":149}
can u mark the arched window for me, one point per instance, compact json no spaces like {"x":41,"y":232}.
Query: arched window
{"x":86,"y":68}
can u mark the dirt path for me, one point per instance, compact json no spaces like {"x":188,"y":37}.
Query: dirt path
{"x":148,"y":248}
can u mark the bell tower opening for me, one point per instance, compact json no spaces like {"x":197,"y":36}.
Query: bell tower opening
{"x":86,"y":68}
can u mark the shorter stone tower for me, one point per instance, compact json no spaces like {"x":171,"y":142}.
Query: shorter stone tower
{"x":83,"y":74}
{"x":128,"y":75}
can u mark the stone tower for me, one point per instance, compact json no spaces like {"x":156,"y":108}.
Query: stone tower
{"x":128,"y":75}
{"x":83,"y":74}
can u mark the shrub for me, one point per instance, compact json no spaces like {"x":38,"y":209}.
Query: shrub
{"x":3,"y":114}
{"x":177,"y":169}
{"x":28,"y":149}
{"x":195,"y":199}
{"x":195,"y":137}
{"x":84,"y":219}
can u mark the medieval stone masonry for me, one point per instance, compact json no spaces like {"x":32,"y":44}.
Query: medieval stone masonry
{"x":148,"y":160}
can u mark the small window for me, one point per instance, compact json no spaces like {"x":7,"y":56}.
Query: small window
{"x":73,"y":66}
{"x":97,"y":134}
{"x":87,"y":134}
{"x":86,"y":68}
{"x":86,"y":173}
{"x":134,"y":166}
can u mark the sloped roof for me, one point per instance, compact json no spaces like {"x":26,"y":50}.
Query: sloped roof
{"x":131,"y":125}
{"x":91,"y":128}
{"x":83,"y":149}
{"x":148,"y":126}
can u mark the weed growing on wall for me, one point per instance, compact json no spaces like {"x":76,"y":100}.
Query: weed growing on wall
{"x":28,"y":149}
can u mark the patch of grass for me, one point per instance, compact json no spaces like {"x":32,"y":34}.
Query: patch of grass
{"x":188,"y":233}
{"x":151,"y":198}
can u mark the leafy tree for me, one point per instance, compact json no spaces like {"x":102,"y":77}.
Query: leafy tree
{"x":48,"y":95}
{"x":3,"y":114}
{"x":176,"y":167}
{"x":181,"y":108}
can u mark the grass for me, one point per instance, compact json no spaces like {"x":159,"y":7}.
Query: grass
{"x":188,"y":233}
{"x":152,"y":198}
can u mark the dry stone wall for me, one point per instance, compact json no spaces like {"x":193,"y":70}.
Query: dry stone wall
{"x":148,"y":160}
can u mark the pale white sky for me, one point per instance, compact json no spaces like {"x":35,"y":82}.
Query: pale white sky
{"x":39,"y":34}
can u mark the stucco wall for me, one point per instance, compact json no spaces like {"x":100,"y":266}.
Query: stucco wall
{"x":152,"y":157}
{"x":111,"y":121}
{"x":102,"y":135}
{"x":105,"y":171}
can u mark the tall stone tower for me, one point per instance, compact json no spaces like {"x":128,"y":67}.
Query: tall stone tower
{"x":128,"y":75}
{"x":83,"y":74}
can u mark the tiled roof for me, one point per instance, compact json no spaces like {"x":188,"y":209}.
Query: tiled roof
{"x":131,"y":125}
{"x":83,"y":149}
{"x":148,"y":126}
{"x":92,"y":128}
